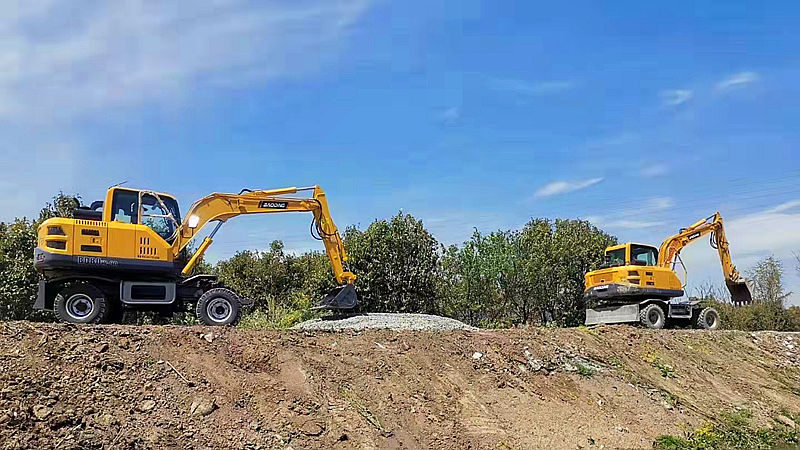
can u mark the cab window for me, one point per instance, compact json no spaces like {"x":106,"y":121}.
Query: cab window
{"x":616,"y":257}
{"x":124,"y":206}
{"x":644,"y":255}
{"x":154,"y":215}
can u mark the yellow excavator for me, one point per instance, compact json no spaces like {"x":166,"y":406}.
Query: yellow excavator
{"x":124,"y":253}
{"x":638,"y":282}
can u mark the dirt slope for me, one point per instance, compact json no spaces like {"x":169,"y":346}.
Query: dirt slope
{"x":143,"y":387}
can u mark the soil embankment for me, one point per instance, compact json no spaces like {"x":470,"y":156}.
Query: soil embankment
{"x":64,"y":386}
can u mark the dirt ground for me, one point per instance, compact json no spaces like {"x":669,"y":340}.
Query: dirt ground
{"x":65,"y":386}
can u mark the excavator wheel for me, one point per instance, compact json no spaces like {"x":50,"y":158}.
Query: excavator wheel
{"x":82,"y":303}
{"x":708,"y":319}
{"x":219,"y":306}
{"x":652,"y":316}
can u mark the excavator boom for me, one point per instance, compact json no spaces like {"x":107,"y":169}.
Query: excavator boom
{"x":221,"y":207}
{"x":740,"y":289}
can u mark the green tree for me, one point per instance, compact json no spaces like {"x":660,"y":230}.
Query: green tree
{"x":62,"y":205}
{"x":18,"y":278}
{"x":534,"y":275}
{"x":273,"y":278}
{"x":396,"y":262}
{"x":578,"y":247}
{"x":259,"y":276}
{"x":767,"y":276}
{"x":482,"y":279}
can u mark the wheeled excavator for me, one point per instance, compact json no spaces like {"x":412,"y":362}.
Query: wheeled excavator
{"x":638,"y":282}
{"x":125,"y":253}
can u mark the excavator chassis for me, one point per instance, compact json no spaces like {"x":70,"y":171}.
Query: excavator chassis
{"x":669,"y":311}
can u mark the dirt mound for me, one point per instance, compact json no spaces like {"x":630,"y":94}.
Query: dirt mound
{"x":393,"y":321}
{"x":64,"y":386}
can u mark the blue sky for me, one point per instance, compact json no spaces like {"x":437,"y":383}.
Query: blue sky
{"x":639,"y":117}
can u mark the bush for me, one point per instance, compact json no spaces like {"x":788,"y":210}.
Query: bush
{"x":758,"y":316}
{"x":275,"y":276}
{"x":396,"y":262}
{"x":766,"y":312}
{"x":18,"y":278}
{"x":277,"y":315}
{"x":731,"y":431}
{"x":534,"y":275}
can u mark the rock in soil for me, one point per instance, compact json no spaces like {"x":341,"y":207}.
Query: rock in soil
{"x":202,"y":406}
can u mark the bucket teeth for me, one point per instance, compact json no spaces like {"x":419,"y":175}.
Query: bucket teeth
{"x":341,"y":298}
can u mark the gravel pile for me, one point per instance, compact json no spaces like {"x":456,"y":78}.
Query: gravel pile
{"x":393,"y":321}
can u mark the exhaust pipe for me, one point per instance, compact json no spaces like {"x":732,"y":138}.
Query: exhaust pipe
{"x":342,"y":298}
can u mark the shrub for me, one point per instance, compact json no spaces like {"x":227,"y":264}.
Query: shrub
{"x":731,"y":431}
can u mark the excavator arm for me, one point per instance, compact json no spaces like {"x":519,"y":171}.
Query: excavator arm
{"x":739,"y":288}
{"x":221,"y":207}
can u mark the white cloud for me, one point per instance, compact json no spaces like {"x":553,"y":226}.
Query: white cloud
{"x":531,"y":88}
{"x":675,"y":97}
{"x":658,"y":204}
{"x":618,"y":140}
{"x":783,"y":207}
{"x":629,"y":224}
{"x":61,"y":62}
{"x":654,"y":170}
{"x":57,"y":58}
{"x":450,"y":115}
{"x":631,"y":218}
{"x":563,"y":187}
{"x":737,"y":80}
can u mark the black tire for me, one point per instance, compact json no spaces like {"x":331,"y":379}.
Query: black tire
{"x":652,"y":316}
{"x":82,"y":303}
{"x":708,"y":319}
{"x":219,"y":306}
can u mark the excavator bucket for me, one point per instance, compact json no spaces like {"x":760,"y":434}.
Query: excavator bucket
{"x":342,"y":298}
{"x":741,"y":292}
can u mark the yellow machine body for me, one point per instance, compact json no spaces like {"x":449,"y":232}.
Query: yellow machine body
{"x":111,"y":237}
{"x":128,"y":248}
{"x":635,"y":272}
{"x":633,"y":275}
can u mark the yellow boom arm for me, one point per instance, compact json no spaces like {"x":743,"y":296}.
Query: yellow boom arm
{"x":672,"y":246}
{"x":221,"y":207}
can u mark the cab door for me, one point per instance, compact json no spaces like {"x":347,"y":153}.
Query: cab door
{"x":122,"y":227}
{"x":155,"y":227}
